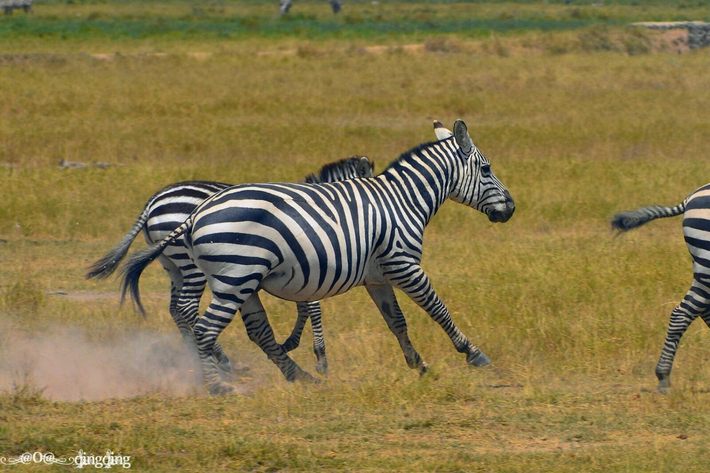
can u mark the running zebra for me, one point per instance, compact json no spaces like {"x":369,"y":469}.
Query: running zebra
{"x":306,"y":242}
{"x":696,"y":229}
{"x":336,"y":5}
{"x":167,"y":209}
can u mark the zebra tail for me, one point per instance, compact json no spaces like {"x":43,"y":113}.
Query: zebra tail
{"x":137,"y":262}
{"x":106,"y":266}
{"x":625,"y":221}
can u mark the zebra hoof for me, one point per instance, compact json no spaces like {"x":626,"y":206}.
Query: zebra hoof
{"x":664,"y":383}
{"x":240,"y":367}
{"x":222,"y":389}
{"x":304,"y":376}
{"x":322,"y":367}
{"x":225,"y":365}
{"x":664,"y":386}
{"x":478,"y":359}
{"x":423,"y":368}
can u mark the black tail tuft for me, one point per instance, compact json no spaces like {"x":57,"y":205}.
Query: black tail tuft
{"x":625,"y":221}
{"x":132,"y":270}
{"x":106,"y":266}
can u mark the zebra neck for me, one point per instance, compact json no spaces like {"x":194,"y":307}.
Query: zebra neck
{"x":421,"y":182}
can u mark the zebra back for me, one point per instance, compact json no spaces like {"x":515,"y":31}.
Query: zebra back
{"x":182,"y":196}
{"x":353,"y":167}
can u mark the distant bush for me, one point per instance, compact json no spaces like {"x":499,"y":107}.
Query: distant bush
{"x":441,"y":44}
{"x":636,"y":46}
{"x":597,"y":39}
{"x":497,"y":47}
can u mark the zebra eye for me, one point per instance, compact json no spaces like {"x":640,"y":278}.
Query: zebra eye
{"x":486,"y":168}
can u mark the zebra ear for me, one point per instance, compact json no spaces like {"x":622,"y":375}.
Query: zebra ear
{"x":463,"y":139}
{"x":440,"y":131}
{"x":365,"y":167}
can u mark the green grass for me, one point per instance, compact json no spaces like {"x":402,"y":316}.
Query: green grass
{"x":578,"y":124}
{"x":168,"y":22}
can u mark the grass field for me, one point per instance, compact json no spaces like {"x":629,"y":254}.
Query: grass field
{"x":580,"y":116}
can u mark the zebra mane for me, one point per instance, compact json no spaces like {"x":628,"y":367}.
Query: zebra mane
{"x":328,"y":169}
{"x":404,"y":156}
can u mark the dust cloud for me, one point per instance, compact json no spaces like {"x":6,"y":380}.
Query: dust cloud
{"x":69,"y":365}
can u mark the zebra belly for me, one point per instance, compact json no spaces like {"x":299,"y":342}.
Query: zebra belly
{"x":289,"y":280}
{"x":280,"y":284}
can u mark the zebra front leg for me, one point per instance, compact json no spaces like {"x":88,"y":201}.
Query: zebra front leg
{"x":294,"y":339}
{"x":176,"y":280}
{"x":309,"y":310}
{"x":695,"y":303}
{"x":386,"y":302}
{"x":411,"y":279}
{"x":183,"y":326}
{"x":260,"y":332}
{"x":314,"y":312}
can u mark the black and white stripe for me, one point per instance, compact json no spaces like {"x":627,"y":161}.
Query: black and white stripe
{"x":168,"y":208}
{"x":696,"y":229}
{"x":306,"y":242}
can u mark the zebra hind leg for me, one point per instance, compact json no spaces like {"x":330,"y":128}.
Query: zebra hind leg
{"x":188,"y":309}
{"x":309,"y":310}
{"x":336,"y":5}
{"x":384,"y":298}
{"x":193,"y":286}
{"x":176,"y":304}
{"x":706,"y":318}
{"x":207,"y":329}
{"x":260,"y":332}
{"x":695,"y":303}
{"x":285,"y":6}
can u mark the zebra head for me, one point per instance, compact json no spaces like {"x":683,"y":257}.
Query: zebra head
{"x":354,"y":167}
{"x":477,"y":186}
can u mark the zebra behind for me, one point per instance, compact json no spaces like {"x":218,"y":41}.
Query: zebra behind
{"x":305,"y":242}
{"x":167,"y":209}
{"x":696,"y":230}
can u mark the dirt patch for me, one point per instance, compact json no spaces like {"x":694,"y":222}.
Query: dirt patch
{"x":93,"y":296}
{"x":670,"y":41}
